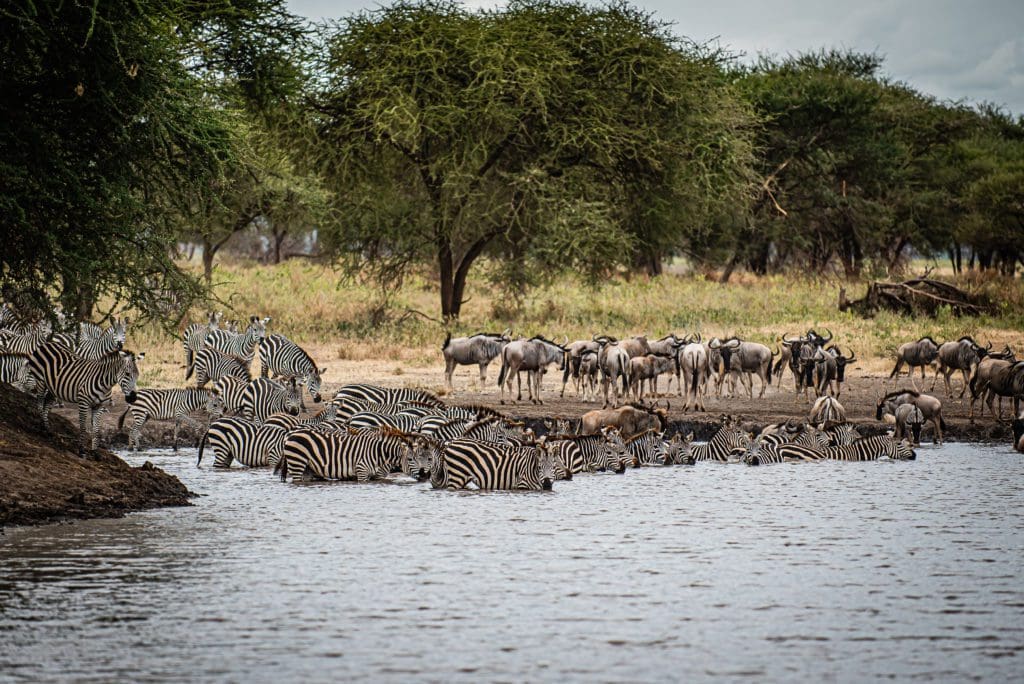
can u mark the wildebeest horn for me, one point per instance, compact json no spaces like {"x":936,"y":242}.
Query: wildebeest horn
{"x":697,"y":339}
{"x":852,"y":357}
{"x":715,"y":343}
{"x":566,"y":340}
{"x":788,"y":342}
{"x":776,"y":352}
{"x":734,"y":343}
{"x":989,"y":345}
{"x":829,"y":338}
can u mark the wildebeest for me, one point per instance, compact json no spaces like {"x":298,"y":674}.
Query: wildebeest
{"x":963,"y":355}
{"x":613,"y":362}
{"x":646,"y":369}
{"x":741,"y":359}
{"x":909,"y":418}
{"x":997,"y":377}
{"x":693,"y":363}
{"x":931,"y":408}
{"x":1018,"y":433}
{"x":827,"y":412}
{"x":915,"y":354}
{"x":574,"y":361}
{"x":481,"y":349}
{"x":534,"y":356}
{"x":798,"y":355}
{"x":830,"y":370}
{"x":630,"y":420}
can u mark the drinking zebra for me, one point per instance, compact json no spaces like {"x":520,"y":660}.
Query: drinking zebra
{"x":165,"y":404}
{"x":728,"y":438}
{"x":229,"y":390}
{"x":279,"y":356}
{"x":576,"y":453}
{"x":762,"y":452}
{"x":212,"y":364}
{"x":264,"y":397}
{"x":646,"y":448}
{"x":842,"y":434}
{"x":337,"y":456}
{"x":872,"y":449}
{"x":492,"y":466}
{"x":679,"y":450}
{"x":60,"y":375}
{"x":235,"y":439}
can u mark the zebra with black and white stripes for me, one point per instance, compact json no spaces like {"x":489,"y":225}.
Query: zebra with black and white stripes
{"x":375,"y":394}
{"x":279,"y":356}
{"x":722,"y":445}
{"x":341,"y":456}
{"x":241,"y":346}
{"x":264,"y":397}
{"x":288,"y":421}
{"x":872,"y":449}
{"x":194,"y":339}
{"x":165,"y":404}
{"x":399,"y":422}
{"x":108,"y":341}
{"x":605,"y":450}
{"x":212,"y":364}
{"x":236,"y":439}
{"x":60,"y":375}
{"x":493,"y":466}
{"x":840,"y":435}
{"x":14,"y":371}
{"x":762,"y":452}
{"x":28,"y":340}
{"x":646,"y":448}
{"x":230,"y":390}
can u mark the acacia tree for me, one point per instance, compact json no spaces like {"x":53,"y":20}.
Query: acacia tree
{"x":110,"y":112}
{"x":533,"y":132}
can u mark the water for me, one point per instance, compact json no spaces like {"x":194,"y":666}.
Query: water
{"x":820,"y":571}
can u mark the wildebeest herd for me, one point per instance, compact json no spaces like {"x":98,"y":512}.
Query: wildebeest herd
{"x":367,"y":432}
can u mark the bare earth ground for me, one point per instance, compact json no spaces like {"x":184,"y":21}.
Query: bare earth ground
{"x":865,"y":384}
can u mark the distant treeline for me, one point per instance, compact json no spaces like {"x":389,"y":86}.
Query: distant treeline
{"x":544,"y":135}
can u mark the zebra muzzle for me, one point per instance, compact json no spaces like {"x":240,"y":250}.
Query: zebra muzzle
{"x":131,"y":397}
{"x":546,"y":484}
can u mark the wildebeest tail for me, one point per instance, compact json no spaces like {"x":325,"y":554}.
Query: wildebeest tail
{"x":693,"y":381}
{"x":447,"y":339}
{"x":624,"y":366}
{"x":770,"y":362}
{"x":503,"y":371}
{"x":942,"y":422}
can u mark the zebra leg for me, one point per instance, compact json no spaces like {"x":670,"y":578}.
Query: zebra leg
{"x":84,"y":424}
{"x":45,"y":403}
{"x":135,"y":433}
{"x":177,"y":424}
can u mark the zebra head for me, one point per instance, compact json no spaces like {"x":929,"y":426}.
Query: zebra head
{"x":118,"y":331}
{"x":679,"y":450}
{"x":545,"y":467}
{"x":215,"y":405}
{"x":558,"y":426}
{"x":753,"y":455}
{"x":617,"y":453}
{"x":293,"y":397}
{"x":421,"y":456}
{"x":903,"y":451}
{"x":129,"y":374}
{"x":313,"y":383}
{"x":258,"y":327}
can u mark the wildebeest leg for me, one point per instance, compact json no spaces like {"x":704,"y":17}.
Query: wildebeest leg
{"x":449,"y":368}
{"x":483,"y":372}
{"x":966,"y":378}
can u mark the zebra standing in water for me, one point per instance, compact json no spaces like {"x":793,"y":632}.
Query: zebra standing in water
{"x":729,"y":438}
{"x":92,"y":347}
{"x":264,"y":397}
{"x":211,"y":364}
{"x":194,"y":339}
{"x":165,"y":404}
{"x":230,"y":390}
{"x":872,"y":449}
{"x":240,"y":346}
{"x":60,"y":375}
{"x":334,"y":456}
{"x":235,"y":439}
{"x":493,"y":466}
{"x":279,"y":356}
{"x":576,"y":453}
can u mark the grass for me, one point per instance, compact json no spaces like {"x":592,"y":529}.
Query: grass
{"x":337,"y":322}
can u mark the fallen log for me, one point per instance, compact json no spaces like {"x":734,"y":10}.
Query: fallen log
{"x":918,"y":296}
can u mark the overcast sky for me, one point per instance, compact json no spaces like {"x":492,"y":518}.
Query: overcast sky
{"x":971,"y":50}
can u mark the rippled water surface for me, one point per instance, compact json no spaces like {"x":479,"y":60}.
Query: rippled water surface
{"x":823,"y":571}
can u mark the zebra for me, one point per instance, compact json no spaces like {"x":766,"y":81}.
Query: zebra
{"x":229,"y":390}
{"x":827,"y":411}
{"x":165,"y":404}
{"x":479,"y":349}
{"x":871,"y":449}
{"x":843,"y":434}
{"x":808,"y":436}
{"x":194,"y":338}
{"x":279,"y":356}
{"x":337,"y":456}
{"x":264,"y":397}
{"x":374,"y":394}
{"x":721,"y":446}
{"x":679,"y":450}
{"x":497,"y":430}
{"x":241,"y":346}
{"x":92,"y":347}
{"x":14,"y":371}
{"x":605,"y":450}
{"x":372,"y":419}
{"x":761,"y":452}
{"x":212,"y":364}
{"x":236,"y":439}
{"x":492,"y":466}
{"x":326,"y":417}
{"x":646,"y":448}
{"x":60,"y":375}
{"x":27,"y":342}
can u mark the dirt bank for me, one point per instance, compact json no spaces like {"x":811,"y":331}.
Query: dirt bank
{"x":42,"y":479}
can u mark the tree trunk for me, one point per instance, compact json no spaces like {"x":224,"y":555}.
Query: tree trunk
{"x":729,"y":268}
{"x":278,"y":241}
{"x":449,"y":307}
{"x":208,"y":252}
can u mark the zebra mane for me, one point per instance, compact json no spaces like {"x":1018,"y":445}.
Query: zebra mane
{"x":483,"y":410}
{"x":573,"y":438}
{"x":630,"y":440}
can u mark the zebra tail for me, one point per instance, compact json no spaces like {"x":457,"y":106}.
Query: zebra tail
{"x":282,"y":467}
{"x":202,"y":444}
{"x":120,"y":421}
{"x":191,"y":366}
